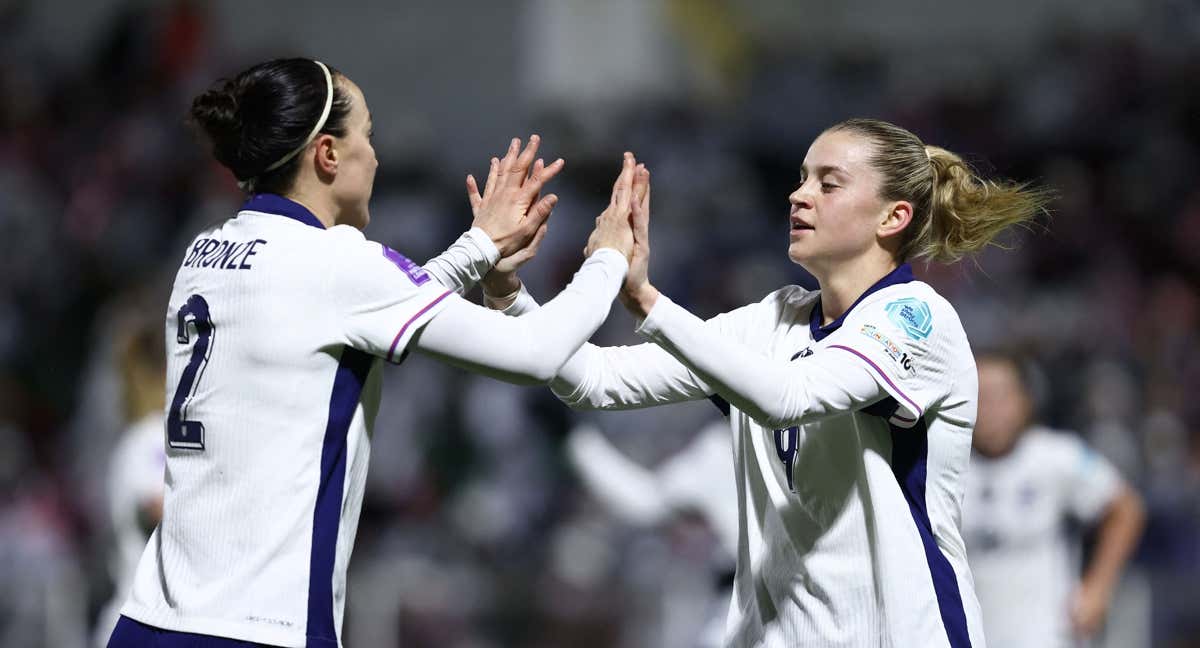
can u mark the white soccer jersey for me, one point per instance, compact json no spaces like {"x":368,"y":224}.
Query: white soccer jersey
{"x":850,"y":446}
{"x":135,"y":478}
{"x":1025,"y":560}
{"x":275,"y":328}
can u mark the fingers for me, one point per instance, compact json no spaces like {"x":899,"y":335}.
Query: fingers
{"x":640,"y":218}
{"x":493,"y":171}
{"x":641,"y":185}
{"x":530,"y":250}
{"x":520,"y":168}
{"x":541,"y":210}
{"x":623,"y":189}
{"x":504,"y":171}
{"x":542,"y":175}
{"x":473,"y":193}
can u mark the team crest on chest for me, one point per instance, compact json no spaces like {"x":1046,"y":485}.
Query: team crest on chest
{"x":912,"y":316}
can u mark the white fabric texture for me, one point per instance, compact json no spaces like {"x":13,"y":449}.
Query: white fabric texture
{"x":275,"y":330}
{"x":834,"y":554}
{"x":1017,"y":522}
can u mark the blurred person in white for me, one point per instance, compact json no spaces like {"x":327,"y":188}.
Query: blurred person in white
{"x":135,"y":471}
{"x":698,"y":479}
{"x":276,"y":329}
{"x":1026,"y":486}
{"x":851,"y":407}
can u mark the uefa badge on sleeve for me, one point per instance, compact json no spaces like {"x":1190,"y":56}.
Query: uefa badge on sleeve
{"x":912,"y":316}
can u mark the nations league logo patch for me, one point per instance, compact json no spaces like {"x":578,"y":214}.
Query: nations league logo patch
{"x":912,"y":316}
{"x":892,"y":349}
{"x":415,"y":272}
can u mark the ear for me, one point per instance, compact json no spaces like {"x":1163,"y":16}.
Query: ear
{"x":326,"y":155}
{"x":895,"y":220}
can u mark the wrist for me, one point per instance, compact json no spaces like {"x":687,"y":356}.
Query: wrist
{"x":640,"y":300}
{"x":500,"y":289}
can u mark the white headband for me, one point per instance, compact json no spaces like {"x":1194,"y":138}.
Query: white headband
{"x":320,"y":122}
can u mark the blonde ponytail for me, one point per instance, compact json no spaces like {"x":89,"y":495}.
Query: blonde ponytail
{"x":967,"y":212}
{"x":955,"y":212}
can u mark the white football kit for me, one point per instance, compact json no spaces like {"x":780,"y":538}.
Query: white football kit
{"x":275,"y":331}
{"x":135,"y":478}
{"x":851,"y":443}
{"x":1023,"y":555}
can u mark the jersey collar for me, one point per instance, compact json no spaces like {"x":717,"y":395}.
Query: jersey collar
{"x":269,"y":203}
{"x":902,"y":274}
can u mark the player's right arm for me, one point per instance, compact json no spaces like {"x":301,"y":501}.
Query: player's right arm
{"x":384,"y":316}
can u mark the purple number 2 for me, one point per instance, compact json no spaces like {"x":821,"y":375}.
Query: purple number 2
{"x":182,"y":433}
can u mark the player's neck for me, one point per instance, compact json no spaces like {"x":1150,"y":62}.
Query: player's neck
{"x":320,"y":203}
{"x":843,"y":285}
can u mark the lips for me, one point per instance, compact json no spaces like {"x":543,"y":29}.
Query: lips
{"x":799,"y":225}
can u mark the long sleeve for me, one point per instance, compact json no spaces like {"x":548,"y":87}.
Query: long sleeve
{"x":531,"y":348}
{"x":631,"y":491}
{"x":465,"y":262}
{"x":775,"y":393}
{"x":616,"y":378}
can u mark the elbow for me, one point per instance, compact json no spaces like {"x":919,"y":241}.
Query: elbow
{"x":544,"y":367}
{"x":770,"y":415}
{"x":1134,"y":509}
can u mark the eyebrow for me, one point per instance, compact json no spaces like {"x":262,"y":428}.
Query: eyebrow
{"x":831,"y":168}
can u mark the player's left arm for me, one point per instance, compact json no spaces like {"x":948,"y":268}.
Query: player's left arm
{"x":1097,"y":492}
{"x":843,"y":376}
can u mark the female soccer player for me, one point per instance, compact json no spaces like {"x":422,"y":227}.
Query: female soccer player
{"x":276,"y":326}
{"x":1028,"y":492}
{"x":851,"y":406}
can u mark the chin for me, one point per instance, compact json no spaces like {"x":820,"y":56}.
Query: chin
{"x":797,"y":254}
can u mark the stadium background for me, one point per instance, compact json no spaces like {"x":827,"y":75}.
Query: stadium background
{"x":474,"y":532}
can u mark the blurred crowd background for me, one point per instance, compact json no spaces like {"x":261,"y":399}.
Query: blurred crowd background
{"x":475,"y":530}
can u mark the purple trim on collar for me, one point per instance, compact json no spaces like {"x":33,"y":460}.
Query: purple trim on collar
{"x":902,"y":274}
{"x":269,"y":203}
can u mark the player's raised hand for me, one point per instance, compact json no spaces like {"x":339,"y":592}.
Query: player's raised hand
{"x":511,"y":209}
{"x":613,"y":228}
{"x":637,"y":294}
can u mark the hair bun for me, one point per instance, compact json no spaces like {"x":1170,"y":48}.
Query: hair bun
{"x":216,"y":113}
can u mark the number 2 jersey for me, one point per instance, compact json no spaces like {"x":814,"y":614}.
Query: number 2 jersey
{"x":275,"y":331}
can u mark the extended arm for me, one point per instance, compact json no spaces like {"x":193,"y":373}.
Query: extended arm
{"x":775,"y":393}
{"x":531,"y":348}
{"x":616,"y":378}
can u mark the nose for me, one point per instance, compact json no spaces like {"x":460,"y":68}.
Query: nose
{"x":801,"y":198}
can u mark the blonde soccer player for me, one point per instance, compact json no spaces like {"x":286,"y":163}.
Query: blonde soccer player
{"x":276,"y":329}
{"x":851,"y":406}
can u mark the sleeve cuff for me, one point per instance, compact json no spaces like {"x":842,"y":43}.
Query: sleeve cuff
{"x":659,"y":317}
{"x":609,"y":256}
{"x":484,"y":244}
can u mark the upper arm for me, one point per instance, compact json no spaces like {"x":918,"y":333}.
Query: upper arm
{"x":913,"y":349}
{"x":1089,"y":482}
{"x":381,"y":298}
